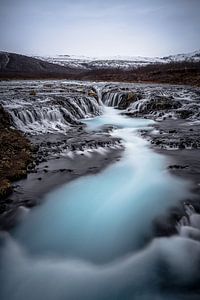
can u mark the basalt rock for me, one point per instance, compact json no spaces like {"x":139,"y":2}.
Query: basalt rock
{"x":184,"y":113}
{"x":162,"y":103}
{"x":128,"y":99}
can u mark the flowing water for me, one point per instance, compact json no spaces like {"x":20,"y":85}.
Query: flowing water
{"x":39,"y":108}
{"x":92,"y":239}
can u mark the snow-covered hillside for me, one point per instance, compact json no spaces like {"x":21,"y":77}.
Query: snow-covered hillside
{"x":120,"y":62}
{"x":190,"y":57}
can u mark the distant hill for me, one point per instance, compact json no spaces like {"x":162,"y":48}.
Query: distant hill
{"x":20,"y":66}
{"x":186,"y":73}
{"x":178,"y":69}
{"x":117,"y":62}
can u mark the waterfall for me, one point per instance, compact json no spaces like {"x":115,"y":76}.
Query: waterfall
{"x":59,"y":105}
{"x":139,"y":106}
{"x":50,"y":114}
{"x":98,"y":89}
{"x":173,"y":102}
{"x":112,"y":98}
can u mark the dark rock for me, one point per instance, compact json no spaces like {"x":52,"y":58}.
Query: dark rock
{"x":181,"y":146}
{"x":173,"y":131}
{"x":178,"y":167}
{"x":184,"y":114}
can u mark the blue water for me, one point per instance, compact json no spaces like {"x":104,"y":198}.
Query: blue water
{"x":91,"y":238}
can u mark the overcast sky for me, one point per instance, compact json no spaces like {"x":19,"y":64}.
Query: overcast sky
{"x":100,"y":28}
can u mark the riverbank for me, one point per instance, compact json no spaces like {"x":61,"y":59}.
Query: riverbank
{"x":179,"y":141}
{"x":15,"y":155}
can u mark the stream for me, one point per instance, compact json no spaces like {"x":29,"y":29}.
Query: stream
{"x":92,"y":239}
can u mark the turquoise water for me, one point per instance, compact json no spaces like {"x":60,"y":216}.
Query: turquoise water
{"x":91,"y":238}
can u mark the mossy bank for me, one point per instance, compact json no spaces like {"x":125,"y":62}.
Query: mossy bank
{"x":15,"y":154}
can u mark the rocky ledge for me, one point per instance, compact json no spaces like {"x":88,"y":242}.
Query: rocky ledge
{"x":179,"y":141}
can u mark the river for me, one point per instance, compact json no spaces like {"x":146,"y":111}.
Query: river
{"x":92,"y":239}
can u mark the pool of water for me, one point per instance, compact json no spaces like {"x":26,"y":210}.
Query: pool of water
{"x":93,"y":238}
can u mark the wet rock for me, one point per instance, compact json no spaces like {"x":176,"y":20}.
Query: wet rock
{"x":177,"y":167}
{"x":166,"y":225}
{"x":194,"y":145}
{"x":162,"y":103}
{"x":92,"y":93}
{"x":5,"y":188}
{"x":181,"y":146}
{"x":128,"y":99}
{"x":172,"y":131}
{"x":184,"y":114}
{"x":33,"y":93}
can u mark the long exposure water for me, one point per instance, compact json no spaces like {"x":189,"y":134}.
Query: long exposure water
{"x":92,"y":239}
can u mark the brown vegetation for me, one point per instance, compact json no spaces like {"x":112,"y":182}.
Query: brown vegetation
{"x":15,"y":154}
{"x":173,"y":73}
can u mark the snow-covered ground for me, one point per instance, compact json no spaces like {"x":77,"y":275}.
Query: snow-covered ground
{"x":121,"y":62}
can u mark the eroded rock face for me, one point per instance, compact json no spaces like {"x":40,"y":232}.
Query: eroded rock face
{"x":161,"y":103}
{"x":128,"y":99}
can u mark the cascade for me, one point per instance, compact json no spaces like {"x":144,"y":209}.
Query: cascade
{"x":50,"y":114}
